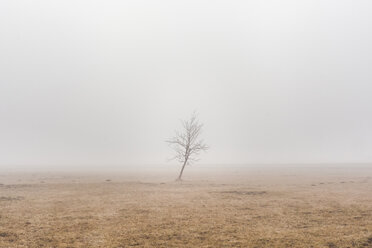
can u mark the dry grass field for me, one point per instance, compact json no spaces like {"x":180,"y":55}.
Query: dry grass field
{"x":251,"y":207}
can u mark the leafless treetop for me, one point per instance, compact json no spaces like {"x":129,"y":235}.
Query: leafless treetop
{"x":186,"y":143}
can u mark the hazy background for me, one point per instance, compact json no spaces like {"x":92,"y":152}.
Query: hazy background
{"x":104,"y":83}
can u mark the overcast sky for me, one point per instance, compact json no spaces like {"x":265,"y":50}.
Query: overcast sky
{"x":105,"y":82}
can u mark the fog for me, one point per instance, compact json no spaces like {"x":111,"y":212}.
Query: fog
{"x":105,"y":83}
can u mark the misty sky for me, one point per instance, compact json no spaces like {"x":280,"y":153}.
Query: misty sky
{"x":105,"y":82}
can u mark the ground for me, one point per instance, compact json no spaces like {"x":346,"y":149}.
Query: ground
{"x":307,"y":206}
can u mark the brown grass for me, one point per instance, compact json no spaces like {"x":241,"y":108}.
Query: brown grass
{"x":249,"y":208}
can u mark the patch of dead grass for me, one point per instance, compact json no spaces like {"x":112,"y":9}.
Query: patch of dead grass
{"x":189,"y":214}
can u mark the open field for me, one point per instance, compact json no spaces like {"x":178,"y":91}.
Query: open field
{"x":242,"y":207}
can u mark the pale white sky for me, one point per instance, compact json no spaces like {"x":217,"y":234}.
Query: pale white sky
{"x":105,"y":82}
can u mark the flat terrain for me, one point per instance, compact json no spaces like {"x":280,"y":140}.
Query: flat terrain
{"x":304,"y":206}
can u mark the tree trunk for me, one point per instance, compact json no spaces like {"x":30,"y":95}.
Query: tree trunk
{"x":183,"y":167}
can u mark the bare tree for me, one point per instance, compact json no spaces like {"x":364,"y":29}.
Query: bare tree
{"x":186,"y":144}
